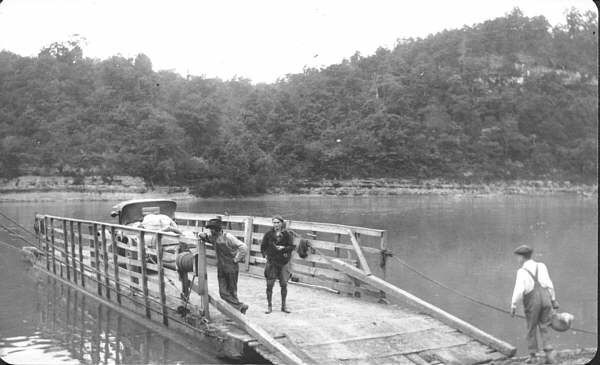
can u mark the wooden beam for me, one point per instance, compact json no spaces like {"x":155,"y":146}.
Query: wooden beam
{"x":80,"y":243}
{"x":46,"y":240}
{"x":66,"y":242}
{"x":361,"y":256}
{"x":256,"y":331}
{"x":161,"y":280}
{"x":73,"y":262}
{"x":52,"y":243}
{"x":144,"y":283}
{"x":94,"y":232}
{"x":201,"y":267}
{"x":248,"y":224}
{"x":392,"y":291}
{"x":105,"y":262}
{"x":113,"y":240}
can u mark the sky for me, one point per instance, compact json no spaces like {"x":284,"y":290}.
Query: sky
{"x":261,"y":40}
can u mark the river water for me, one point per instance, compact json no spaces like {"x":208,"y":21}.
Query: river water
{"x":462,"y":241}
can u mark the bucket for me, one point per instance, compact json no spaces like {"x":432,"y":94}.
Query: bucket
{"x":561,"y":321}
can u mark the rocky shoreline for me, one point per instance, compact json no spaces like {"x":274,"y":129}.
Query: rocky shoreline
{"x":59,"y":188}
{"x":390,"y":187}
{"x":56,"y":188}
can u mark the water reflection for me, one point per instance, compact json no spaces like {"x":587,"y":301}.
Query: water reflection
{"x":74,"y":329}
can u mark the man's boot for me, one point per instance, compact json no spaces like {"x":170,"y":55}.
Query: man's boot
{"x":283,"y":297}
{"x":550,"y":356}
{"x":532,"y":359}
{"x":269,"y":300}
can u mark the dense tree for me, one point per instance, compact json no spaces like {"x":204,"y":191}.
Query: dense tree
{"x":505,"y":99}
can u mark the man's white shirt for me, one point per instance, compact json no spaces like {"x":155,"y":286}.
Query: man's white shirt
{"x":524,"y":283}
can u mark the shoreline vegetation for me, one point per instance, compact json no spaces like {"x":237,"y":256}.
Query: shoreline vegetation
{"x":56,"y":188}
{"x":511,"y":98}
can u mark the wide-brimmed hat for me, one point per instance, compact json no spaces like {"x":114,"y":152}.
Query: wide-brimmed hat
{"x":214,"y":223}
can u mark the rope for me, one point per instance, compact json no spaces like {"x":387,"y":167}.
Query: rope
{"x":15,"y":234}
{"x":9,"y":245}
{"x":470,"y":298}
{"x":16,"y":223}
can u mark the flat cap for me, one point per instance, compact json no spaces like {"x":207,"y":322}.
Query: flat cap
{"x":523,"y":250}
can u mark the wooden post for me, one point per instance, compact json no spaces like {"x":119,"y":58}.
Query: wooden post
{"x":52,"y":243}
{"x":161,"y":279}
{"x":94,"y":233}
{"x":383,"y":246}
{"x":201,"y":268}
{"x":338,"y":239}
{"x":314,"y":234}
{"x":66,"y":243}
{"x":361,"y":257}
{"x":105,"y":261}
{"x":129,"y":254}
{"x":142,"y":259}
{"x":248,"y":239}
{"x":115,"y":252}
{"x":46,"y":240}
{"x":80,"y":243}
{"x":73,"y":262}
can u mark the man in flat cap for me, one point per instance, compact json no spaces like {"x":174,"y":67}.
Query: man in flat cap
{"x":230,"y":251}
{"x":534,"y":287}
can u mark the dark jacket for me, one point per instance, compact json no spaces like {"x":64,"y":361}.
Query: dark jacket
{"x":270,"y":244}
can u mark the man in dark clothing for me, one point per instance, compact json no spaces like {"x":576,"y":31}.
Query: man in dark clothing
{"x":230,"y":251}
{"x":277,"y":245}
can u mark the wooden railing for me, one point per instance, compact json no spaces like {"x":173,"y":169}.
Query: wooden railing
{"x":112,"y":265}
{"x":357,"y":246}
{"x":110,"y":259}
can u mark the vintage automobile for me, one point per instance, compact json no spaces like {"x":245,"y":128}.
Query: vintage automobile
{"x":132,"y":213}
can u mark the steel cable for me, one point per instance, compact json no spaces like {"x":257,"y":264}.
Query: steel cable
{"x":470,"y":298}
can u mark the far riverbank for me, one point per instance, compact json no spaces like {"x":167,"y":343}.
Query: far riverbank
{"x":385,"y":187}
{"x":59,"y":188}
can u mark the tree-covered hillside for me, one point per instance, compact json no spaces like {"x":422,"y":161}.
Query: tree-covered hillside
{"x":511,"y":98}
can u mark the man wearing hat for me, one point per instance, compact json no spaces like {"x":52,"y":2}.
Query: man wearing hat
{"x":534,"y":287}
{"x":230,"y":251}
{"x":277,"y":245}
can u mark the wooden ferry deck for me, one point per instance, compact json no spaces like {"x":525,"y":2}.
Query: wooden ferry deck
{"x":343,"y":311}
{"x":325,"y":327}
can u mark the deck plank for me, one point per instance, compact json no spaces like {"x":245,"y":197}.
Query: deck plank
{"x":335,"y":328}
{"x":388,"y":346}
{"x":470,"y":353}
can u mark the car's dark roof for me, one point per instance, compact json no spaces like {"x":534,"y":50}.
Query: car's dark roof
{"x":133,"y":210}
{"x":121,"y":205}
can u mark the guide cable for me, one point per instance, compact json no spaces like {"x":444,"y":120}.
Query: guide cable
{"x":470,"y":298}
